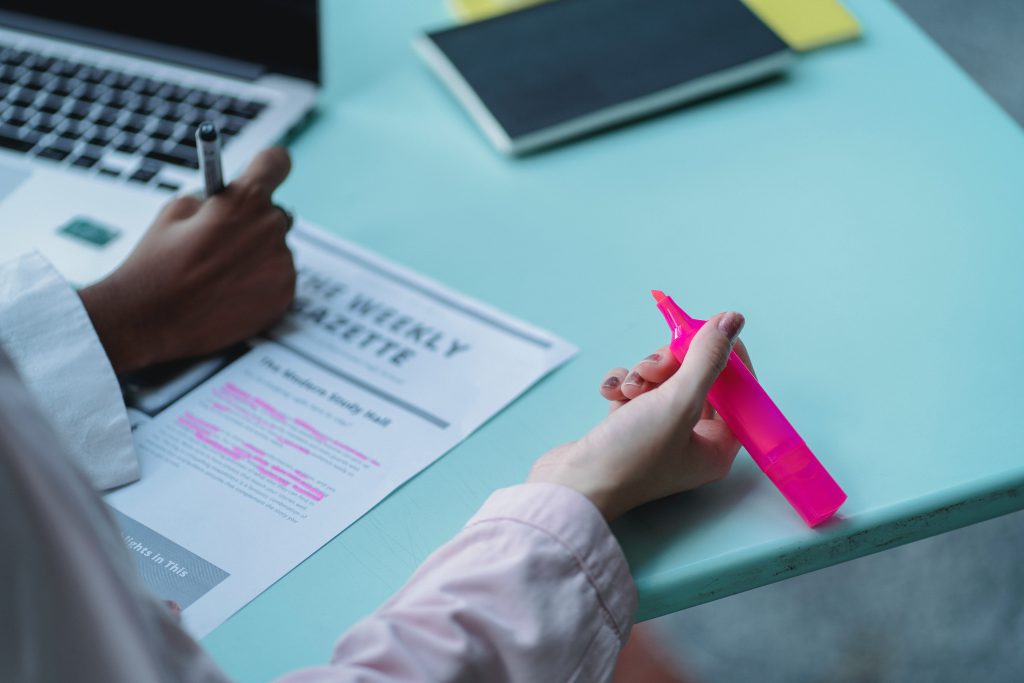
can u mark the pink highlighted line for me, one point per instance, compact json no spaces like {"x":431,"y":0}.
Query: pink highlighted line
{"x":213,"y":444}
{"x":291,"y":444}
{"x":193,"y":422}
{"x":349,"y":449}
{"x":270,"y":475}
{"x":292,"y":475}
{"x":254,"y":449}
{"x":317,"y":434}
{"x":314,"y":495}
{"x":274,"y":412}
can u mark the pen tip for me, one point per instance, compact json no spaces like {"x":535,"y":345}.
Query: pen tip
{"x":659,"y":295}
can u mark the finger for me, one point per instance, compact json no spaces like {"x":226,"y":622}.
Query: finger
{"x":615,"y":405}
{"x":706,"y":357}
{"x":267,"y":170}
{"x":741,"y":350}
{"x":658,"y":366}
{"x":174,"y":608}
{"x":274,"y":225}
{"x":179,"y":209}
{"x":289,"y":217}
{"x":634,"y":385}
{"x":611,"y":386}
{"x":713,"y":450}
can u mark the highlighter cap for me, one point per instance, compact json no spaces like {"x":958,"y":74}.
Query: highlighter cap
{"x":806,"y":484}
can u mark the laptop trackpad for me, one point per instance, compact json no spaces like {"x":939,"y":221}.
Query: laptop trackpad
{"x":10,"y":178}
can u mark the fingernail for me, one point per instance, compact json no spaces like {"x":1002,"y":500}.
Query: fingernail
{"x":730,"y":325}
{"x":653,"y":358}
{"x":635,"y":379}
{"x":611,"y":382}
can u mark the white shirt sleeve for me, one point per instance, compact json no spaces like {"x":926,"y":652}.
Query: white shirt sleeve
{"x":46,"y":331}
{"x":72,"y":605}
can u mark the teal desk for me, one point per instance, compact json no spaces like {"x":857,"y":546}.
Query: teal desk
{"x":866,"y":214}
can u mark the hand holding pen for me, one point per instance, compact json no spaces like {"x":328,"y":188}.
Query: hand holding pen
{"x":207,"y":273}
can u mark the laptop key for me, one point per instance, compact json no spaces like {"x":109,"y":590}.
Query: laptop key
{"x":116,"y":97}
{"x":64,"y":67}
{"x":32,"y":79}
{"x":90,"y":92}
{"x":137,"y":84}
{"x":24,"y":97}
{"x":170,"y":187}
{"x":17,"y":57}
{"x":62,"y":87}
{"x":79,"y":110}
{"x":148,"y":106}
{"x":44,"y":123}
{"x":163,"y":129}
{"x":93,"y":74}
{"x":85,"y":161}
{"x":18,"y":116}
{"x":130,"y":144}
{"x":53,"y":153}
{"x":178,"y":94}
{"x":43,"y":62}
{"x":134,"y":124}
{"x":100,"y":137}
{"x":107,"y":116}
{"x":30,"y":136}
{"x":178,"y":155}
{"x":107,"y":171}
{"x":9,"y":140}
{"x":142,"y":176}
{"x":247,"y":109}
{"x":233,"y":125}
{"x":51,"y":104}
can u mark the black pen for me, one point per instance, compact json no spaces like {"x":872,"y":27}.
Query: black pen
{"x":208,"y":149}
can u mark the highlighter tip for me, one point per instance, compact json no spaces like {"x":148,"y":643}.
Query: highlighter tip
{"x":659,"y":295}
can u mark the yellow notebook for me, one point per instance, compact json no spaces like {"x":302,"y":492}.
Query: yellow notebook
{"x":803,"y":24}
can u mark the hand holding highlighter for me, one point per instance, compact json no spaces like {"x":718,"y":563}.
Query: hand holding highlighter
{"x":761,"y":427}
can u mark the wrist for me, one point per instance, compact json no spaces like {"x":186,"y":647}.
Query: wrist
{"x":565,"y":466}
{"x":117,"y":328}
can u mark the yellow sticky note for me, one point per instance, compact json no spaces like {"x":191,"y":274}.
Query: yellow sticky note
{"x":475,"y":10}
{"x":806,"y":24}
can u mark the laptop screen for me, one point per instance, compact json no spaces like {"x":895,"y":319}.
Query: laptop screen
{"x":280,"y":35}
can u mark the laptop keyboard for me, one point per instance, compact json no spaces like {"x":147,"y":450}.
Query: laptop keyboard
{"x":111,"y":122}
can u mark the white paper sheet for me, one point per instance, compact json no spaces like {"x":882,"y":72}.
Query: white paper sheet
{"x":375,"y":374}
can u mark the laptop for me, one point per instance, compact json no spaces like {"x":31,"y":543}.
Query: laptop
{"x":99,"y":103}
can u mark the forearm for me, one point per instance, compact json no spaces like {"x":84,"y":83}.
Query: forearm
{"x":534,"y":588}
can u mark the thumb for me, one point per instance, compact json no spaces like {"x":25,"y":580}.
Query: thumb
{"x":705,"y":359}
{"x":267,"y":170}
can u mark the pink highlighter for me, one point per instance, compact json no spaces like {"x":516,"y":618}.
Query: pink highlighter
{"x":761,"y":427}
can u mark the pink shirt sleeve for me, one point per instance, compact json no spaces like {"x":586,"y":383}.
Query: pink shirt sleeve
{"x":534,"y":588}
